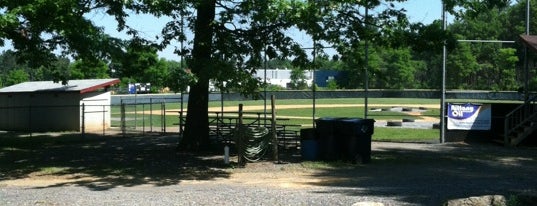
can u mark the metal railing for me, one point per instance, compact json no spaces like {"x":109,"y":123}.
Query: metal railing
{"x":519,"y":118}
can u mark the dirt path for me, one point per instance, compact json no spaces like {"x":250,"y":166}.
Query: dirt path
{"x":57,"y":168}
{"x":399,"y":173}
{"x":266,"y":173}
{"x":289,"y":175}
{"x":308,"y":106}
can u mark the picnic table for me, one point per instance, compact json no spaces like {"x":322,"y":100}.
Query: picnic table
{"x":222,"y":124}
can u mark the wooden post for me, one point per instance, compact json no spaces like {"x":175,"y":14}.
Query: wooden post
{"x":241,"y":161}
{"x":273,"y":130}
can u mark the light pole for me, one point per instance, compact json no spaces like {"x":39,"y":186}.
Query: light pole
{"x":265,"y":85}
{"x":313,"y":80}
{"x":443,"y":99}
{"x":526,"y":66}
{"x":366,"y":73}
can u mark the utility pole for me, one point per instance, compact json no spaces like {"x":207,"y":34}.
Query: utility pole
{"x":443,"y":99}
{"x":526,"y":66}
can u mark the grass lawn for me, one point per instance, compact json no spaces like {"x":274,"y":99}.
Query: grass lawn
{"x":303,"y":116}
{"x":406,"y":135}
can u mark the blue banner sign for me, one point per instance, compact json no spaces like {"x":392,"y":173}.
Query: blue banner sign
{"x":467,"y":116}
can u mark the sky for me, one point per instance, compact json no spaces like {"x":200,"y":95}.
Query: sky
{"x":424,"y":11}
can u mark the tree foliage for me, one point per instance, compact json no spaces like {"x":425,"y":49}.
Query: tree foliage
{"x":38,"y":28}
{"x":232,"y":39}
{"x":398,"y":69}
{"x":16,"y":76}
{"x":298,"y":79}
{"x":490,"y":66}
{"x":83,"y":69}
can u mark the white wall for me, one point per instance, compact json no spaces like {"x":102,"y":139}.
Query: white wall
{"x":39,"y":111}
{"x":54,"y":111}
{"x":96,"y":112}
{"x":281,"y":76}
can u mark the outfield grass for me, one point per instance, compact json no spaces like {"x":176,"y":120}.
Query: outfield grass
{"x":405,"y":135}
{"x":330,"y":101}
{"x":360,"y":101}
{"x":303,"y":116}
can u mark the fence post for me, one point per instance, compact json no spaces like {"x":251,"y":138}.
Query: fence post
{"x":181,"y":117}
{"x":163,"y":116}
{"x":273,"y":129}
{"x":150,"y":114}
{"x":135,"y":113}
{"x":30,"y":120}
{"x":104,"y":119}
{"x":241,"y":144}
{"x":83,"y":120}
{"x":122,"y":121}
{"x":506,"y":132}
{"x":143,"y":118}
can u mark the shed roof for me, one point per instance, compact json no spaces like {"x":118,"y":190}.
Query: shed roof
{"x":530,"y":41}
{"x":82,"y":86}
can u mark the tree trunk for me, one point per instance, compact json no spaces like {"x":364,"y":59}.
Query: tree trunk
{"x":196,"y":134}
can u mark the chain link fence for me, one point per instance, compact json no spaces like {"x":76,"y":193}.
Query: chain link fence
{"x":145,"y":116}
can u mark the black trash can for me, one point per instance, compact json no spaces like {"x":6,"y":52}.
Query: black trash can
{"x":309,"y":146}
{"x":326,"y":138}
{"x":354,"y":135}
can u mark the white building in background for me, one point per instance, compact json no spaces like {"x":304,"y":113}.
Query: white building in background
{"x":281,"y":77}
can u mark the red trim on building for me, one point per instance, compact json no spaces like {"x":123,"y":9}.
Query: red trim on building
{"x":96,"y":87}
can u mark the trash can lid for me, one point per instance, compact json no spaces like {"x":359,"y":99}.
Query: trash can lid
{"x":351,"y":119}
{"x":355,"y":121}
{"x":328,"y":119}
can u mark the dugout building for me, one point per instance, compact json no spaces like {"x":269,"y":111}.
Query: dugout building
{"x":45,"y":106}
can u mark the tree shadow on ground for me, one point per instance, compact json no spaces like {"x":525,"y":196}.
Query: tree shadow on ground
{"x":103,"y":163}
{"x":433,"y":174}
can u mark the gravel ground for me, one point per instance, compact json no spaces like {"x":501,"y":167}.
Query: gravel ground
{"x":190,"y":194}
{"x":148,"y":171}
